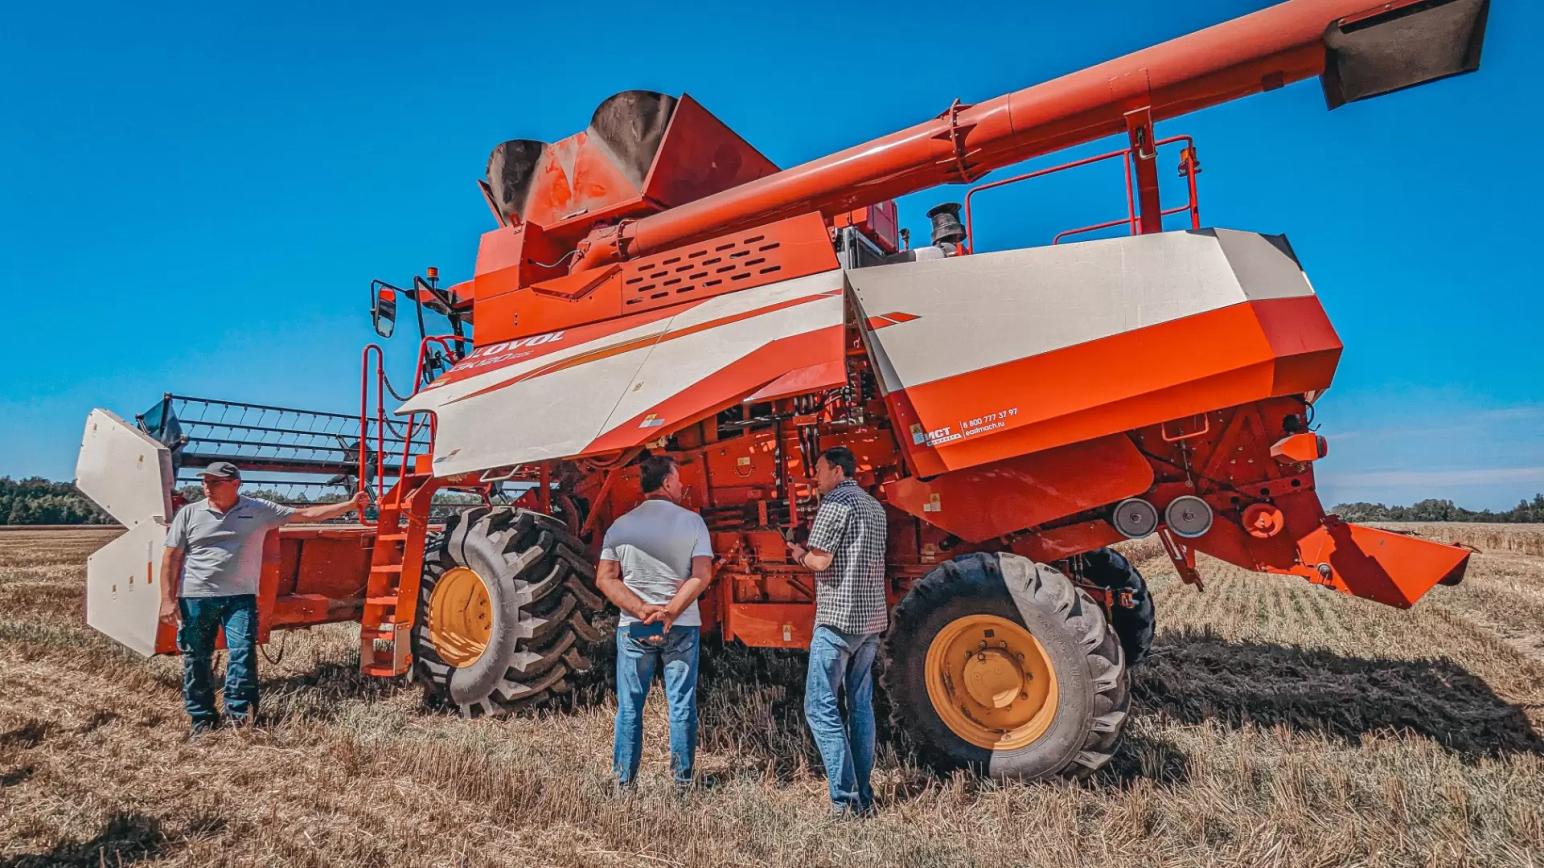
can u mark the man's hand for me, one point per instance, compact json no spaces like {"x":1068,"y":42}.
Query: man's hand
{"x":171,"y":583}
{"x":667,"y":614}
{"x":325,"y":511}
{"x":650,"y":613}
{"x":810,"y":559}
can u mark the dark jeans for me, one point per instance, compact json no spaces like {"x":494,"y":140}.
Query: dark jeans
{"x":202,"y":618}
{"x":637,"y":661}
{"x":843,"y":663}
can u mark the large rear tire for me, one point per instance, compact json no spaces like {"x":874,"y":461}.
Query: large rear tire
{"x":506,"y":608}
{"x":1132,"y":614}
{"x":975,"y":684}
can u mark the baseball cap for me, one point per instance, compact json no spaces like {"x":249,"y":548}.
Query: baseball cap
{"x":221,"y":470}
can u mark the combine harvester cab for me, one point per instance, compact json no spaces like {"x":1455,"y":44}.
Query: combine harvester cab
{"x":656,"y":285}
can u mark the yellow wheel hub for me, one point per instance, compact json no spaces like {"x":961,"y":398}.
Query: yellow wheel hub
{"x":991,"y":682}
{"x":460,"y":617}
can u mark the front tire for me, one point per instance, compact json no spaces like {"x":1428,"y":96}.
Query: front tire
{"x":976,"y":684}
{"x":506,"y":608}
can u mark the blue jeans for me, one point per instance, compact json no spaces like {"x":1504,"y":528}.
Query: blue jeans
{"x":202,"y":618}
{"x":637,"y":660}
{"x":841,"y":661}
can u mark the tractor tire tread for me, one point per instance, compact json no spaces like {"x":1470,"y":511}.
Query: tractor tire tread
{"x":549,"y":582}
{"x":979,"y":576}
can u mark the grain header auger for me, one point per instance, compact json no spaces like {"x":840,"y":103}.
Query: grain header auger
{"x":654,"y":284}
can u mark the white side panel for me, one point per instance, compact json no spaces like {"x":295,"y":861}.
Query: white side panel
{"x":1264,"y":266}
{"x":549,"y":416}
{"x":123,"y":594}
{"x":489,"y":366}
{"x":124,"y":471}
{"x":675,"y":364}
{"x":558,"y":403}
{"x":973,"y":312}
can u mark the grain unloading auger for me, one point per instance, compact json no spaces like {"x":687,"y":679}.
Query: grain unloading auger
{"x":655,"y":284}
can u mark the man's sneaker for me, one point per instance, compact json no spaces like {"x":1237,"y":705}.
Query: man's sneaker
{"x":852,"y":812}
{"x":699,"y":782}
{"x":200,"y":728}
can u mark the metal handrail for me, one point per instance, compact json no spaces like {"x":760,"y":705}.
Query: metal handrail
{"x":418,"y":376}
{"x":381,"y":387}
{"x":1187,"y":167}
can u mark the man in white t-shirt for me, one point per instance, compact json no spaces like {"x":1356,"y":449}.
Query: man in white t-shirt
{"x":654,"y":563}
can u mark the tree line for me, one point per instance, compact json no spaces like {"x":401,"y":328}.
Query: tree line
{"x":1433,"y":509}
{"x":36,"y":500}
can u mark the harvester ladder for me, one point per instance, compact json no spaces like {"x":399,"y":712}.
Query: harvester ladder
{"x":401,"y":529}
{"x":396,"y":565}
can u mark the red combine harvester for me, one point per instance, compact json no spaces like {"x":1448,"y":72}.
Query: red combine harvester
{"x":654,"y":284}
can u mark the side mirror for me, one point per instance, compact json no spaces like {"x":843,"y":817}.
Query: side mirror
{"x":383,"y":311}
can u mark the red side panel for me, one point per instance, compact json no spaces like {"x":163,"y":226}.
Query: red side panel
{"x":1025,"y":491}
{"x":1221,"y":358}
{"x":769,"y":254}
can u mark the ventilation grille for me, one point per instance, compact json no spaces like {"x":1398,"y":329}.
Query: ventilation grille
{"x":707,"y":269}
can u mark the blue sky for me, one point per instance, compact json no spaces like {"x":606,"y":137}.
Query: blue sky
{"x":195,"y":198}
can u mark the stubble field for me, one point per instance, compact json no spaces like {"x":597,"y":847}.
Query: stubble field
{"x":1275,"y":724}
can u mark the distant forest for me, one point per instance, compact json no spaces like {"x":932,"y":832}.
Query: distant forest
{"x":36,"y":500}
{"x":1441,"y":510}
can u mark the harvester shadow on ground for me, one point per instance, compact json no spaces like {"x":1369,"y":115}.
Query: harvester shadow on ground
{"x":1196,"y":675}
{"x":125,"y":838}
{"x":314,"y":693}
{"x":751,"y":704}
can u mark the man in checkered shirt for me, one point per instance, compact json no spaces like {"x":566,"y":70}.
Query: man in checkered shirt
{"x":846,"y":551}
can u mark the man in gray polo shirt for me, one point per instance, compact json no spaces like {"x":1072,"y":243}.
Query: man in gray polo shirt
{"x":209,"y":576}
